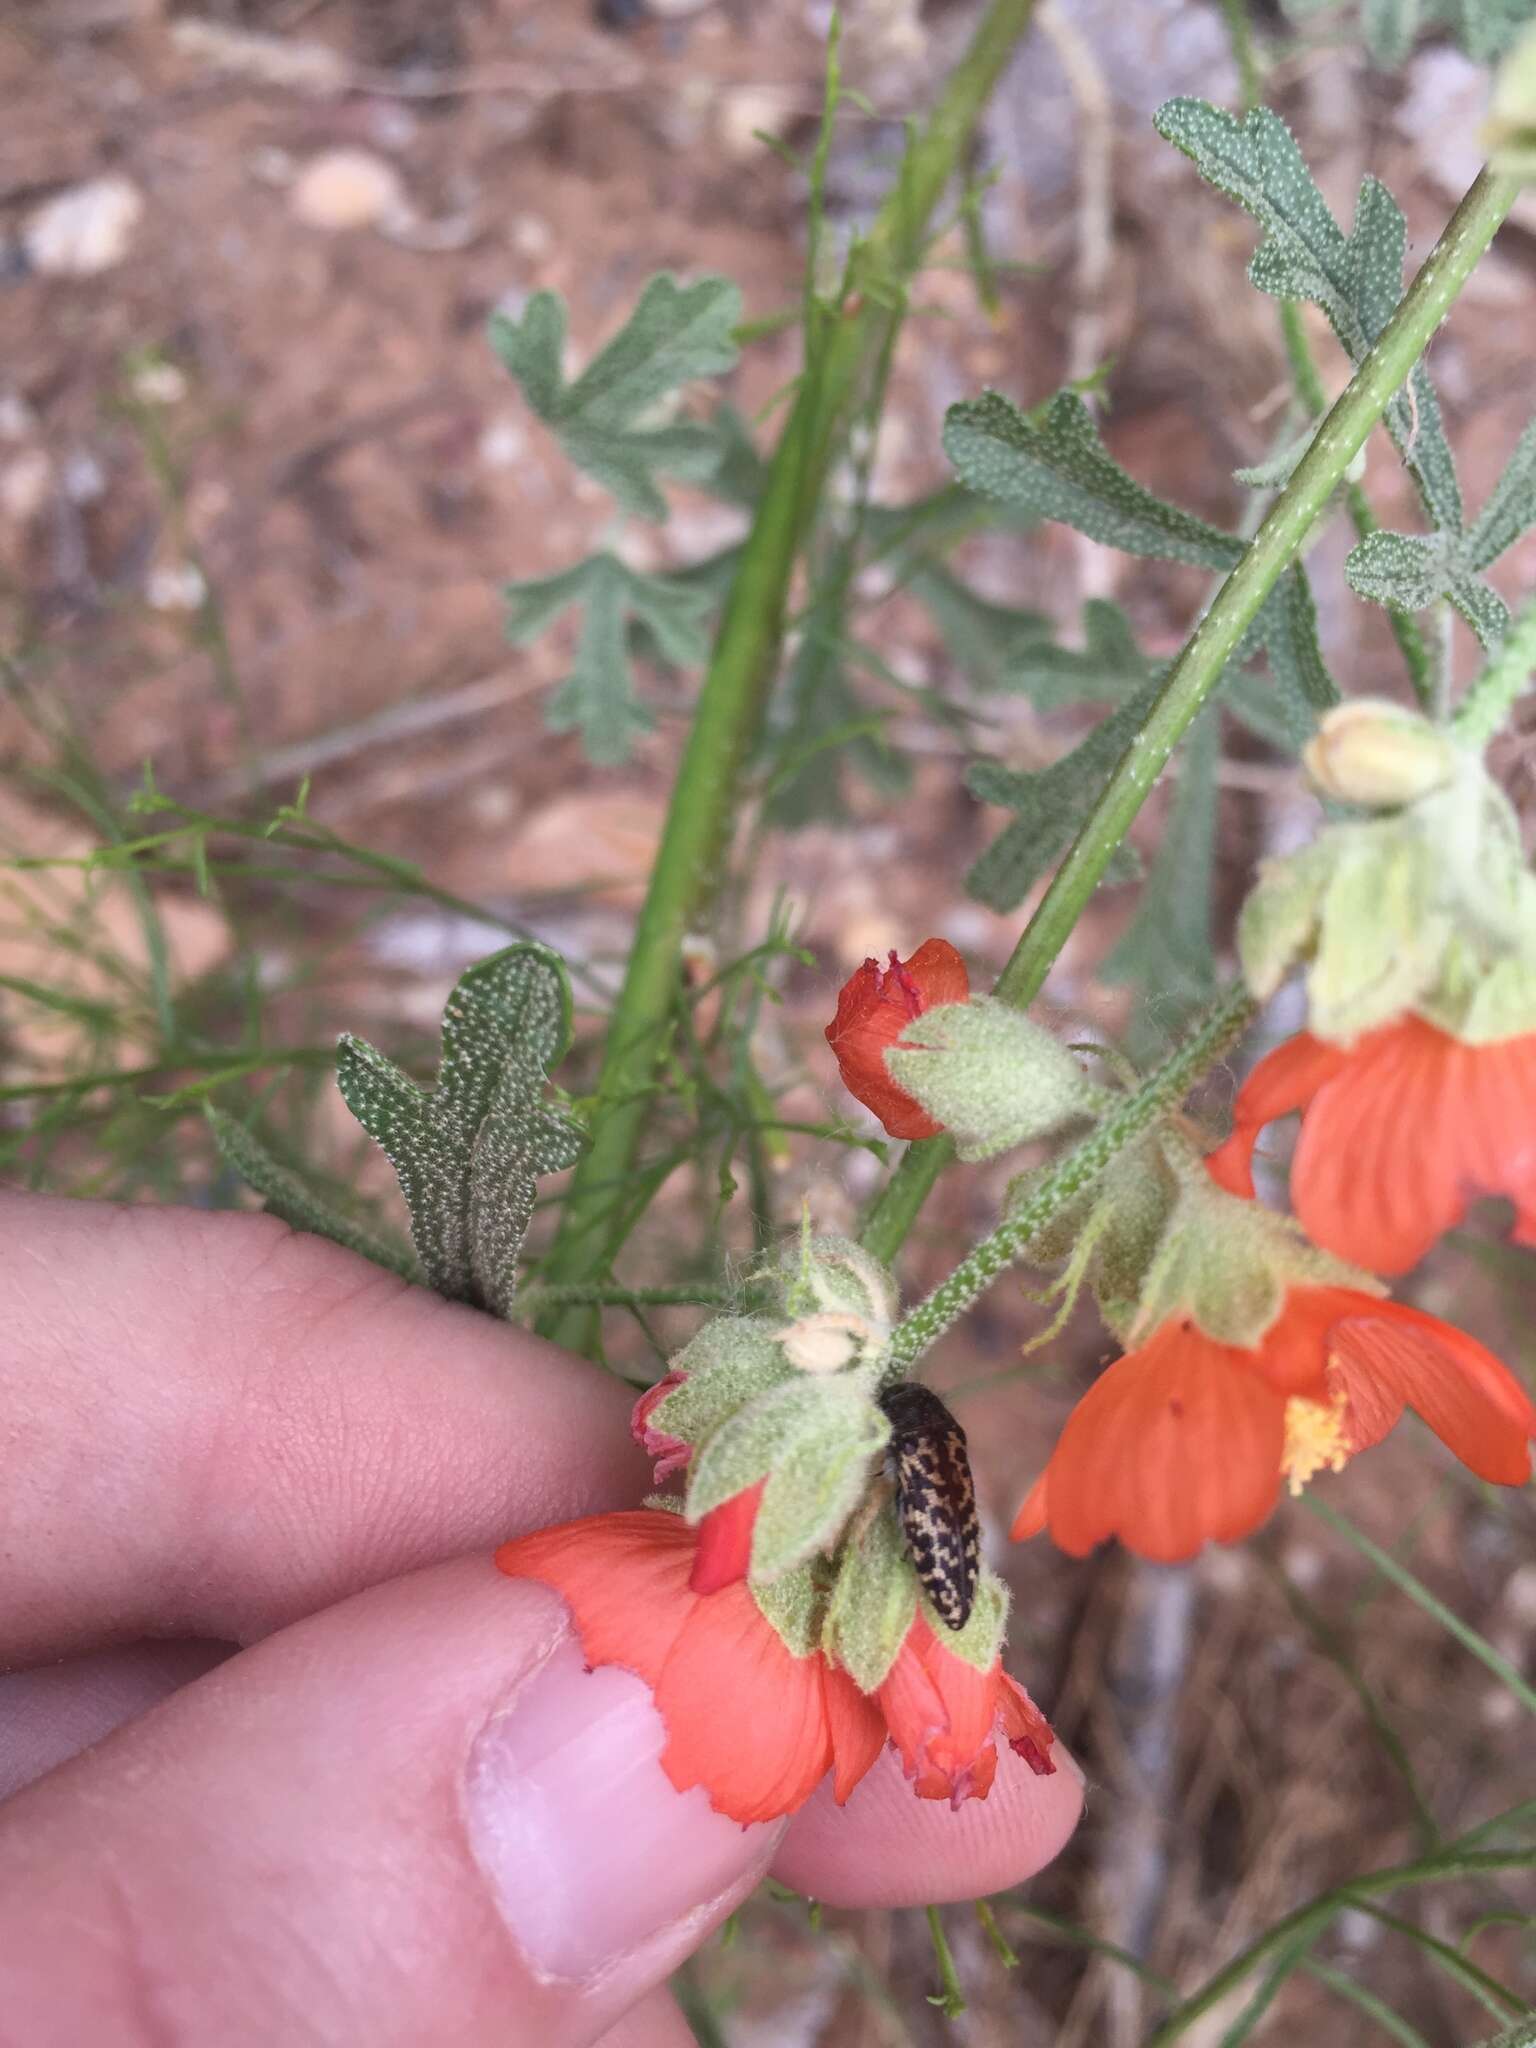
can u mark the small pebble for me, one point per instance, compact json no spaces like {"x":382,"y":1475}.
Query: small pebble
{"x":84,"y":231}
{"x":347,"y":188}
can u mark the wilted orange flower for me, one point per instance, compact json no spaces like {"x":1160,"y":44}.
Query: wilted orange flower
{"x":1185,"y":1440}
{"x":668,"y":1454}
{"x":1400,"y":1131}
{"x":874,"y":1006}
{"x":944,"y":1715}
{"x":756,"y":1726}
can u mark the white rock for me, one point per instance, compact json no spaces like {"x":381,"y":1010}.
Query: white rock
{"x":85,"y":230}
{"x":348,"y":188}
{"x":175,"y":587}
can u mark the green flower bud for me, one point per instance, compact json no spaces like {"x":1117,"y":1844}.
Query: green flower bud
{"x":990,"y":1075}
{"x":835,"y":1275}
{"x":1378,"y":755}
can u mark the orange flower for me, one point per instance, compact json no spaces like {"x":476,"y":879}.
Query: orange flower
{"x":1400,"y":1131}
{"x":943,"y":1715}
{"x":756,"y":1726}
{"x":1184,"y":1439}
{"x":874,"y":1007}
{"x":724,"y":1552}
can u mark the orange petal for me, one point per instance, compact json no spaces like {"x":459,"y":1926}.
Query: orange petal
{"x":725,"y":1541}
{"x":1029,"y":1734}
{"x":1474,"y":1404}
{"x":745,"y":1718}
{"x":1283,"y":1080}
{"x":857,"y":1728}
{"x":624,"y":1578}
{"x":1175,"y":1444}
{"x":1033,"y":1514}
{"x":874,"y":1007}
{"x":1382,"y":1167}
{"x":940,"y":974}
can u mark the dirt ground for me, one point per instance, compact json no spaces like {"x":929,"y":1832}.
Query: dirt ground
{"x":261,"y":478}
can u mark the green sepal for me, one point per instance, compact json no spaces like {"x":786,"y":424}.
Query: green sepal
{"x":814,"y":1441}
{"x":1227,"y":1264}
{"x":980,"y":1642}
{"x":1483,"y":1005}
{"x":730,"y":1362}
{"x":990,"y":1075}
{"x":874,"y":1599}
{"x":1108,"y":1237}
{"x":817,"y":1274}
{"x":1379,"y":934}
{"x":792,"y":1605}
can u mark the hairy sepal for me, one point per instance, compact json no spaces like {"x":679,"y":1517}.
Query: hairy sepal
{"x":731,"y":1361}
{"x":874,"y":1599}
{"x":990,"y":1075}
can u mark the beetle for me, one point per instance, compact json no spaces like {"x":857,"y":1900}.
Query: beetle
{"x":935,"y":1498}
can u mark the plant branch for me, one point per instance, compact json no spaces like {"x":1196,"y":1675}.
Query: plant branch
{"x":1507,"y":677}
{"x":1083,"y":1165}
{"x":1199,"y":667}
{"x":733,"y":699}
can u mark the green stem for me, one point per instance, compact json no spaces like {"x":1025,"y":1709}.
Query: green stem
{"x":1083,"y":1165}
{"x":951,"y":2000}
{"x":1310,"y":388}
{"x":1450,"y":1862}
{"x":1508,"y":676}
{"x":734,"y":696}
{"x":1206,"y":653}
{"x":1450,"y":1621}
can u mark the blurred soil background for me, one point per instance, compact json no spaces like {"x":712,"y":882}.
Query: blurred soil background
{"x":261,"y":478}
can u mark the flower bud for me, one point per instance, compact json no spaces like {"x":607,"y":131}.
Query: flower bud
{"x":835,"y":1275}
{"x":829,"y":1340}
{"x":990,"y":1076}
{"x":874,"y":1007}
{"x":1509,"y":133}
{"x":1378,"y":755}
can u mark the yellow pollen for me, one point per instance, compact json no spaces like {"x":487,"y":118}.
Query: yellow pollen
{"x":1315,"y":1439}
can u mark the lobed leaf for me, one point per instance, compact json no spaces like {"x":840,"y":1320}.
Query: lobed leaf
{"x":1357,"y":279}
{"x":1054,"y":465}
{"x":676,"y":334}
{"x":289,"y":1196}
{"x":468,"y":1153}
{"x":598,"y":698}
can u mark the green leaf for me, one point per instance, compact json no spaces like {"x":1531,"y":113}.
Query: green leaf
{"x":1405,"y":570}
{"x":598,"y":697}
{"x":1482,"y":608}
{"x":826,"y":724}
{"x":1300,"y":686}
{"x":676,"y":334}
{"x":1053,"y":464}
{"x":985,"y":639}
{"x":1050,"y":804}
{"x":1511,"y":506}
{"x":1108,"y":668}
{"x":1357,"y":278}
{"x":468,"y":1154}
{"x":1167,"y":954}
{"x":289,"y":1196}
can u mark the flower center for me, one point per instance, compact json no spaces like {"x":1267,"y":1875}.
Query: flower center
{"x":1315,"y":1439}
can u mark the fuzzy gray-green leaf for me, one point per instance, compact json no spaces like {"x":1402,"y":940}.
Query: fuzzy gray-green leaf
{"x":1357,"y":278}
{"x":1511,"y":506}
{"x":1054,"y":465}
{"x":289,"y":1196}
{"x":677,"y":333}
{"x":1405,"y":570}
{"x":469,"y":1152}
{"x":598,"y":698}
{"x":1049,"y":803}
{"x":1482,"y":608}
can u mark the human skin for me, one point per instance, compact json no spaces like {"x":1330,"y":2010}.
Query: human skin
{"x":310,"y":1769}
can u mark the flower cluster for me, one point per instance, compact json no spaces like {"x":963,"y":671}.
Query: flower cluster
{"x":1259,"y":1350}
{"x":779,"y":1610}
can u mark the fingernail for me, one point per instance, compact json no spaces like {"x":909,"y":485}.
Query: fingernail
{"x":589,"y":1850}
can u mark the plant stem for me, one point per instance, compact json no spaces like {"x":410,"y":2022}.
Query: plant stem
{"x":734,"y":696}
{"x":951,"y":2000}
{"x":1199,"y":667}
{"x":1452,"y":1861}
{"x":1310,"y":388}
{"x":1083,"y":1165}
{"x":1450,"y":1621}
{"x":1508,"y":676}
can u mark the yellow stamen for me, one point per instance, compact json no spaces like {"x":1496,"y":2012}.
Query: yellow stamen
{"x":1315,"y":1439}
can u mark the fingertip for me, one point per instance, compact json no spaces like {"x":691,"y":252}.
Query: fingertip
{"x":887,"y":1847}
